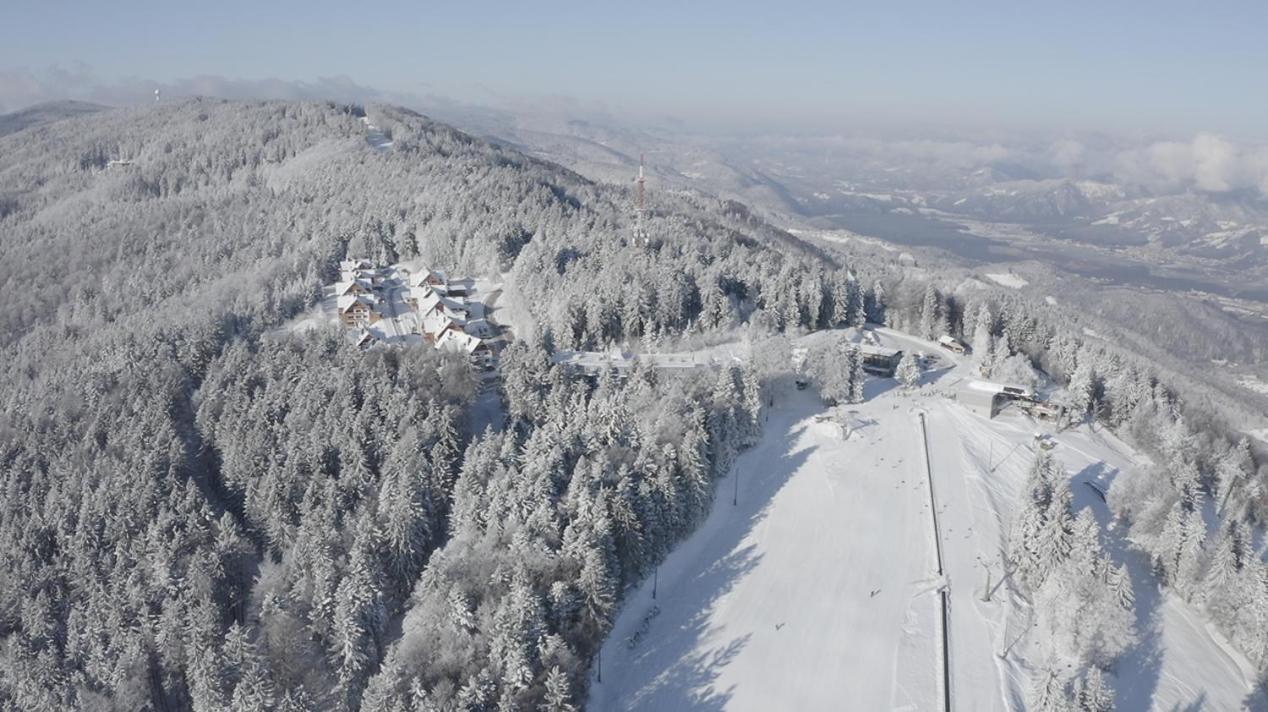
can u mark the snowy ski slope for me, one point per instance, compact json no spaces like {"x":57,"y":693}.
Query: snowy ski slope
{"x":817,"y":590}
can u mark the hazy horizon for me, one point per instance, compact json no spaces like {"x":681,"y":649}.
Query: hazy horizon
{"x":1079,"y":67}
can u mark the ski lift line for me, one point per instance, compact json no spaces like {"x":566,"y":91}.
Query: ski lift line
{"x":943,"y":593}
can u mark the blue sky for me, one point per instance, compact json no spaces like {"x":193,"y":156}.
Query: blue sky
{"x":1114,"y":66}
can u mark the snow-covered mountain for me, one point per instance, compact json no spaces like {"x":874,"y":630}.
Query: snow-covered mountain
{"x":46,"y":113}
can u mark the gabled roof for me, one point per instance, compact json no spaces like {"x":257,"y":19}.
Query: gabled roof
{"x":348,"y":300}
{"x":430,"y":301}
{"x":423,"y":275}
{"x":458,"y":341}
{"x":881,"y":351}
{"x":438,"y":323}
{"x":341,"y":288}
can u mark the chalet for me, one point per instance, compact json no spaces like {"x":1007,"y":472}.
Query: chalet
{"x":429,"y":303}
{"x":437,"y":323}
{"x":353,"y":287}
{"x":474,"y":348}
{"x":428,"y":277}
{"x":436,"y":303}
{"x":358,"y":310}
{"x":879,"y":360}
{"x":365,"y":339}
{"x":458,"y":288}
{"x":953,"y":345}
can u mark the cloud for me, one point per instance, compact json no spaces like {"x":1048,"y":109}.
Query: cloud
{"x":1207,"y":163}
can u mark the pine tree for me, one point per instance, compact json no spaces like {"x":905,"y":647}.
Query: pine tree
{"x":1057,"y":538}
{"x":1096,"y":693}
{"x":856,"y":377}
{"x":752,"y":405}
{"x":254,"y":692}
{"x":359,"y":618}
{"x":1230,"y":471}
{"x":1223,"y":567}
{"x":1081,"y":387}
{"x":983,"y":323}
{"x":1048,"y":692}
{"x":908,"y":370}
{"x":929,"y":312}
{"x":558,"y":692}
{"x":878,"y":305}
{"x":1120,"y":584}
{"x":856,"y":315}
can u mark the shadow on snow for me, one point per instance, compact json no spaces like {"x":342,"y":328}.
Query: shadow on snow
{"x":682,"y":672}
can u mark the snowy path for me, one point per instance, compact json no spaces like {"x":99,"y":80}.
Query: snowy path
{"x":814,"y":593}
{"x":971,"y":544}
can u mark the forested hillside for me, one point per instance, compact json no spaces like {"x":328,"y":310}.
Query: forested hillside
{"x":197,"y":511}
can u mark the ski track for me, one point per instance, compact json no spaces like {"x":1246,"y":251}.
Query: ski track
{"x":769,"y":604}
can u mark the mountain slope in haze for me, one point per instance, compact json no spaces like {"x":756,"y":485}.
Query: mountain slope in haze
{"x":46,"y":113}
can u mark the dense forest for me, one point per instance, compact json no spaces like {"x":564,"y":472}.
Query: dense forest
{"x":200,"y":512}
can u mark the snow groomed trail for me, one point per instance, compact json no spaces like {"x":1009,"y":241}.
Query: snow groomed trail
{"x":789,"y":600}
{"x":819,"y":592}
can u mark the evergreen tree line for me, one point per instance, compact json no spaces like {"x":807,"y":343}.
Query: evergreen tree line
{"x":589,"y":486}
{"x":1082,"y":601}
{"x":199,"y":512}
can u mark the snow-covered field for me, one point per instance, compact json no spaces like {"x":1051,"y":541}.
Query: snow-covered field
{"x":817,"y":590}
{"x":1007,"y":279}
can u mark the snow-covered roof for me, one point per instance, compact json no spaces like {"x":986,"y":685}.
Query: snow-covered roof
{"x":990,"y":387}
{"x":458,"y":341}
{"x":346,"y":301}
{"x":429,"y":302}
{"x":433,"y":301}
{"x":949,"y":340}
{"x":882,"y":351}
{"x":422,"y":277}
{"x":342,"y":288}
{"x":437,"y":322}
